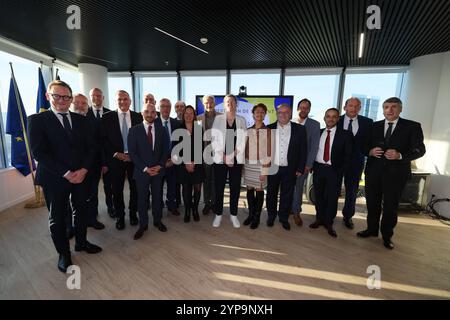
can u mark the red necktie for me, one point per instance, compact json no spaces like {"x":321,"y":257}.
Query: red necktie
{"x":326,"y":152}
{"x":150,"y":137}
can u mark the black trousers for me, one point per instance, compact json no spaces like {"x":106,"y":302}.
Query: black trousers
{"x":107,"y":188}
{"x":327,"y":186}
{"x":58,"y":194}
{"x":284,"y":178}
{"x":120,"y":170}
{"x":234,"y":174}
{"x":383,"y":191}
{"x":352,"y":177}
{"x":94,"y":179}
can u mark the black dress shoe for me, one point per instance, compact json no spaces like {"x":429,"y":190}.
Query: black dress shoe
{"x":97,"y":225}
{"x":174,"y":211}
{"x":206,"y":210}
{"x":349,"y":223}
{"x":120,"y":224}
{"x":161,"y":227}
{"x":332,"y":232}
{"x":388,"y":244}
{"x":64,"y":261}
{"x":140,"y":232}
{"x":315,"y":225}
{"x":367,"y":234}
{"x":88,"y":247}
{"x":270,"y":222}
{"x":286,"y":225}
{"x":111,"y":212}
{"x":248,"y":220}
{"x":134,"y":221}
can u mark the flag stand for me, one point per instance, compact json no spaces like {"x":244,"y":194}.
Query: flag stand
{"x":38,"y":202}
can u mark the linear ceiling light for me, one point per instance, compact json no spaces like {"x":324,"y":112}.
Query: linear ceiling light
{"x":170,"y":35}
{"x":361,"y":45}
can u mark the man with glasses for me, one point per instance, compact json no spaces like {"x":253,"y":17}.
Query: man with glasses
{"x":60,"y":142}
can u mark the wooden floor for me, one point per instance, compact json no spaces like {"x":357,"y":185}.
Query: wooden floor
{"x":196,"y":261}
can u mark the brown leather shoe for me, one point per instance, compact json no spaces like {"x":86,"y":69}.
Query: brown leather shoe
{"x":316,"y":224}
{"x":298,"y":220}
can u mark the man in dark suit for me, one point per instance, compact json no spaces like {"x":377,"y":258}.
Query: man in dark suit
{"x":392,"y":144}
{"x":60,"y":142}
{"x":333,"y":156}
{"x":360,"y":127}
{"x":115,"y":126}
{"x":149,"y":150}
{"x":169,"y":125}
{"x":98,"y":110}
{"x":289,"y":161}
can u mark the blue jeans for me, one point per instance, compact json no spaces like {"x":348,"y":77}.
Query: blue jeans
{"x":298,"y":193}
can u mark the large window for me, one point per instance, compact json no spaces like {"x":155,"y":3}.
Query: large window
{"x":202,"y":83}
{"x":71,"y":77}
{"x":26,"y":74}
{"x":257,"y":82}
{"x":116,"y":83}
{"x":161,"y":86}
{"x":321,"y":89}
{"x":373,"y":89}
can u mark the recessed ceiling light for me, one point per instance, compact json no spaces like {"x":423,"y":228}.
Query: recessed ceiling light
{"x":204,"y":40}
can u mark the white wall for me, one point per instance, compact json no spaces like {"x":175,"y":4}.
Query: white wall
{"x":428,"y":101}
{"x":14,"y":188}
{"x":93,"y":76}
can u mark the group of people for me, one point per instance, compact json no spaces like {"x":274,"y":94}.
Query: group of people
{"x":74,"y":149}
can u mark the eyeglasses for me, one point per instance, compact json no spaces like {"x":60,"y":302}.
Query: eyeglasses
{"x":58,"y":97}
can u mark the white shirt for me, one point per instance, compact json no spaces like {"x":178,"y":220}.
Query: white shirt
{"x":355,"y":125}
{"x":386,"y":126}
{"x":128,"y":116}
{"x":60,"y":117}
{"x":146,"y":125}
{"x":94,"y":109}
{"x":323,"y":138}
{"x":283,"y":137}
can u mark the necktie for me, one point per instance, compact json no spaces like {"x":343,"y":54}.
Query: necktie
{"x":66,"y":124}
{"x":326,"y":152}
{"x":150,"y":136}
{"x":350,"y":127}
{"x":166,"y":127}
{"x":388,"y":135}
{"x":125,"y":132}
{"x":98,"y":114}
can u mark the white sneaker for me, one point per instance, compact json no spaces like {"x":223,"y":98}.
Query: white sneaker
{"x":235,"y":222}
{"x":217,"y":220}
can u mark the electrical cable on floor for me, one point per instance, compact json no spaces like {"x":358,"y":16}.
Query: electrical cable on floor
{"x":431,"y":211}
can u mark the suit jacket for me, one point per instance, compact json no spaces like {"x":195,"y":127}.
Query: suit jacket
{"x":313,"y":136}
{"x":201,"y":118}
{"x":174,"y":125}
{"x":142,"y":154}
{"x":360,"y":139}
{"x":111,"y":134}
{"x":100,"y":158}
{"x":407,"y":138}
{"x":297,"y":150}
{"x":341,"y":150}
{"x":55,"y":151}
{"x":218,"y":136}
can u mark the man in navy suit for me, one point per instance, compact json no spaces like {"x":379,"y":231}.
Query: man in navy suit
{"x":169,"y":125}
{"x":359,"y":126}
{"x":148,"y":149}
{"x":289,"y":160}
{"x":333,"y":156}
{"x":115,"y":126}
{"x":392,"y":144}
{"x":60,"y":142}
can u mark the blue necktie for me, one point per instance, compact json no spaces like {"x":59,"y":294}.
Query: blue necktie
{"x":166,"y":127}
{"x":125,"y":132}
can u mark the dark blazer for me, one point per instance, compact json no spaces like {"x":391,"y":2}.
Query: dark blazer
{"x":55,"y":151}
{"x":111,"y":134}
{"x":298,"y":149}
{"x":96,"y":125}
{"x":360,"y":139}
{"x":341,"y":150}
{"x":174,"y":125}
{"x":141,"y":153}
{"x":407,"y":138}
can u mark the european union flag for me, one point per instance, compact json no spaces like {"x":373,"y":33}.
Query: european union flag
{"x":42,"y":104}
{"x":19,"y":157}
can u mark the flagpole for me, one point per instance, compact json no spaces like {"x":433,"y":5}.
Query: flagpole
{"x":38,"y":198}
